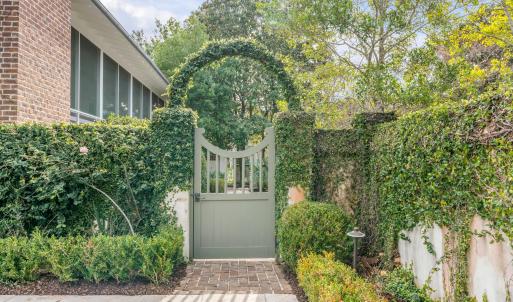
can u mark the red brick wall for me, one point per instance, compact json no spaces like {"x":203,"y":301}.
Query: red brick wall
{"x":9,"y":21}
{"x":41,"y":78}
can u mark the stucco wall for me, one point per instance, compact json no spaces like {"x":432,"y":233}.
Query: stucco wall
{"x":490,"y":262}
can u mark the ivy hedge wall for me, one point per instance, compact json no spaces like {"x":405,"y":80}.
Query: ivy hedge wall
{"x":57,"y":177}
{"x":294,"y":136}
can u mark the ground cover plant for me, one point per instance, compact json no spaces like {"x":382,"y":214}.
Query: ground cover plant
{"x":96,"y":259}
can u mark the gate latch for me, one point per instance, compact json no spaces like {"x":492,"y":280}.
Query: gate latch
{"x":196,"y":197}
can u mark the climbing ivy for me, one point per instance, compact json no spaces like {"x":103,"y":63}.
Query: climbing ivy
{"x":218,"y":50}
{"x":445,"y":165}
{"x":294,"y":154}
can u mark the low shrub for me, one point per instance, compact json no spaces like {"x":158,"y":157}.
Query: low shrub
{"x":21,"y":258}
{"x":400,"y":284}
{"x":313,"y":227}
{"x":64,"y":257}
{"x":99,"y":258}
{"x":326,"y":280}
{"x":161,"y":254}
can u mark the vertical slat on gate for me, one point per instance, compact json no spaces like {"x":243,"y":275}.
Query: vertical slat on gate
{"x":234,"y":167}
{"x":251,"y":157}
{"x":217,"y":173}
{"x":243,"y":176}
{"x":260,"y":172}
{"x":208,"y":171}
{"x":226,"y":175}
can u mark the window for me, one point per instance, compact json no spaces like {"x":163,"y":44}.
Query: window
{"x":124,"y":92}
{"x":136,"y":98}
{"x":110,"y":86}
{"x":75,"y":45}
{"x":100,"y":86}
{"x":146,"y":110}
{"x":89,"y":77}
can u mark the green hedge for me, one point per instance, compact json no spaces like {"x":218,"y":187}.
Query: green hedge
{"x":294,"y":154}
{"x":313,"y":227}
{"x":326,"y":280}
{"x":445,"y":165}
{"x":46,"y":182}
{"x":96,"y":259}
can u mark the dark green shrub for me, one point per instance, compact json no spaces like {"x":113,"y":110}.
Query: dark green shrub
{"x":313,"y":227}
{"x":65,"y":257}
{"x":400,"y":284}
{"x":48,"y":180}
{"x":326,"y":280}
{"x":21,"y":258}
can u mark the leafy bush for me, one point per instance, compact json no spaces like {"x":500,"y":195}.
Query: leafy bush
{"x":98,"y":258}
{"x":161,"y":254}
{"x":326,"y":280}
{"x":400,"y":284}
{"x":64,"y":257}
{"x":313,"y":227}
{"x":51,"y":175}
{"x":21,"y":258}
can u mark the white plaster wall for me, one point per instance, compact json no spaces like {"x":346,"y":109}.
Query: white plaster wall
{"x":424,"y":264}
{"x":180,"y":203}
{"x":490,"y":265}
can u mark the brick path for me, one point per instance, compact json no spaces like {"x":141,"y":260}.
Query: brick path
{"x":233,"y":277}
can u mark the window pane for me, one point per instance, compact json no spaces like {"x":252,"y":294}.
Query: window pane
{"x":75,"y":36}
{"x":154,"y":101}
{"x":136,"y":98}
{"x":89,"y":77}
{"x":110,"y":86}
{"x":124,"y":92}
{"x":146,"y":103}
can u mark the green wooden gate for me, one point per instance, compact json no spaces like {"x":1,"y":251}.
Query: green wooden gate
{"x":233,"y":200}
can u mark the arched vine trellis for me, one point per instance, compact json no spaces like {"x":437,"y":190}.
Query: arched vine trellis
{"x":218,"y":50}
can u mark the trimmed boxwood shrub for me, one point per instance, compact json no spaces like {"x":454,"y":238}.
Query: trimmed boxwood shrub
{"x":99,"y":258}
{"x":326,"y":280}
{"x":313,"y":227}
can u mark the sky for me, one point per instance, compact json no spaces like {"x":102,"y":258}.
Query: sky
{"x":141,"y":14}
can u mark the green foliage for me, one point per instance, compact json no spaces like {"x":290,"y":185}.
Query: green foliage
{"x":294,"y":134}
{"x":64,"y":257}
{"x":215,"y":51}
{"x":400,"y":284}
{"x":313,"y":227}
{"x":445,"y":165}
{"x":161,"y":254}
{"x":99,"y":258}
{"x":21,"y":258}
{"x":46,"y":181}
{"x":326,"y":280}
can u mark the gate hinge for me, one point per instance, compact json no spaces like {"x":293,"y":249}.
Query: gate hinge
{"x":196,"y":197}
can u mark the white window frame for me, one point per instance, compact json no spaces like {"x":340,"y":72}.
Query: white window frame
{"x":78,"y":116}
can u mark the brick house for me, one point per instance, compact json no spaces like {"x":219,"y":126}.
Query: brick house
{"x":70,"y":60}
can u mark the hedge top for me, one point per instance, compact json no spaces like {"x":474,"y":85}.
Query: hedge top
{"x":218,"y":50}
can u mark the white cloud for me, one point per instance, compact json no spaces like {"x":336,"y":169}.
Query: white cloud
{"x":140,"y":16}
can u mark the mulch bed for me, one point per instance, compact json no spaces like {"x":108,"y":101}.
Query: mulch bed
{"x":296,"y":289}
{"x":47,"y":285}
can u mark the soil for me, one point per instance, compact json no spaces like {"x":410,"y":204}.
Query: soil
{"x":48,"y":285}
{"x":296,"y":289}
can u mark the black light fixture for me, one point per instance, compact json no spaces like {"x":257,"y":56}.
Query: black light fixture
{"x":355,"y":234}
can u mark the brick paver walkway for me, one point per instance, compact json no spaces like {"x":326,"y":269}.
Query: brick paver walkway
{"x":233,"y":277}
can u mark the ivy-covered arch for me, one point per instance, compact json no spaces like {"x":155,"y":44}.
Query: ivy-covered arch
{"x":218,"y":50}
